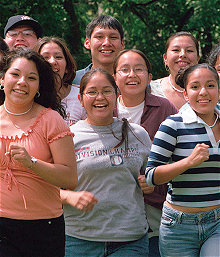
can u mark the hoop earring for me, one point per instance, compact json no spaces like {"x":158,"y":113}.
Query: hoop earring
{"x":37,"y":94}
{"x":1,"y":87}
{"x":166,"y":68}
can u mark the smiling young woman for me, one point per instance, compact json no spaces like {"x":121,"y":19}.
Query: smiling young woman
{"x":190,"y":221}
{"x":181,"y":49}
{"x":106,"y":212}
{"x":36,"y":158}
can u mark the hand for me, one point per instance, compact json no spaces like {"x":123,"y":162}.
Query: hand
{"x":81,"y":200}
{"x":20,"y":154}
{"x":199,"y":154}
{"x":144,"y":186}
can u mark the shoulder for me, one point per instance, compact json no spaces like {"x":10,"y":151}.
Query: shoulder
{"x":80,"y":73}
{"x":166,"y":105}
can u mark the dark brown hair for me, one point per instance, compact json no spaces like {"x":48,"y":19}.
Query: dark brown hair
{"x":47,"y":78}
{"x":181,"y":78}
{"x":179,"y":34}
{"x":70,"y":62}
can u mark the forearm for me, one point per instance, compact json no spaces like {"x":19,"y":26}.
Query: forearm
{"x":165,"y":173}
{"x":57,"y":174}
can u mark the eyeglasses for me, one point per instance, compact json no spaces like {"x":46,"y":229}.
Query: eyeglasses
{"x":127,"y":71}
{"x":25,"y":33}
{"x":105,"y":93}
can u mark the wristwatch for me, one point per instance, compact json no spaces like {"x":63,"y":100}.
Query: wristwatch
{"x":33,"y":160}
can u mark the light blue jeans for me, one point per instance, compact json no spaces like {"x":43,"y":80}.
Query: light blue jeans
{"x":83,"y":248}
{"x":190,"y":234}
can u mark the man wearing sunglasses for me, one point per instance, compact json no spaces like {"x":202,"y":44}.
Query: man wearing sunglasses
{"x":22,"y":31}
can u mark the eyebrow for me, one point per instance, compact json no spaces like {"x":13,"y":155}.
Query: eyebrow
{"x":32,"y":72}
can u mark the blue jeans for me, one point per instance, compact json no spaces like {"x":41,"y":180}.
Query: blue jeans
{"x":78,"y":248}
{"x":189,"y":234}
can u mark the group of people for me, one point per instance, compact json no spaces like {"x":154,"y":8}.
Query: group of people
{"x":104,"y":161}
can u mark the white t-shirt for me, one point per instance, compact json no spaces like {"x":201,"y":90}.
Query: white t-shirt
{"x":132,"y":114}
{"x":74,"y":110}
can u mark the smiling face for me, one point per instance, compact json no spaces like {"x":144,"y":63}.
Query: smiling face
{"x":54,"y":55}
{"x":28,"y":41}
{"x":132,"y":84}
{"x":21,"y":83}
{"x":105,"y":44}
{"x":100,"y":108}
{"x":202,"y":92}
{"x":180,"y":53}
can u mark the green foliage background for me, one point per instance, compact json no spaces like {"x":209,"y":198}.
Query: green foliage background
{"x":147,"y":24}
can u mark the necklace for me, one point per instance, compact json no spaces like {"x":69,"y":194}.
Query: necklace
{"x":16,"y":114}
{"x":214,"y":121}
{"x":177,"y":90}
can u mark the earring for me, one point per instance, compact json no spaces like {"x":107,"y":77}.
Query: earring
{"x":37,"y":94}
{"x":166,"y":68}
{"x":1,"y":87}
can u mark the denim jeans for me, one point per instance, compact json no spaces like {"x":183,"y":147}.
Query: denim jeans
{"x":190,"y":234}
{"x":78,"y":248}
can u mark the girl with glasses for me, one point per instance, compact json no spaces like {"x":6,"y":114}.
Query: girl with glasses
{"x":132,"y":72}
{"x":105,"y":214}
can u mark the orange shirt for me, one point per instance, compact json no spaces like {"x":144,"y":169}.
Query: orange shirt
{"x":23,"y":194}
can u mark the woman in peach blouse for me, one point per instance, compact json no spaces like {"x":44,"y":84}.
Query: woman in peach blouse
{"x":36,"y":158}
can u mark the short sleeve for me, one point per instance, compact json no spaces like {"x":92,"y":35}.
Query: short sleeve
{"x":54,"y":126}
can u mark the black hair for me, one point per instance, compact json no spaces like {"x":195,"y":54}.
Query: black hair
{"x":181,"y":78}
{"x":47,"y":79}
{"x":214,"y":54}
{"x":104,"y":21}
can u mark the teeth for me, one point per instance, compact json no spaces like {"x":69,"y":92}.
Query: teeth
{"x":106,"y":52}
{"x":20,"y":92}
{"x":100,"y":105}
{"x":132,"y":83}
{"x":203,"y":101}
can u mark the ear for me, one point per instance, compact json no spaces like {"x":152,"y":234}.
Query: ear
{"x":87,"y":43}
{"x":81,"y":100}
{"x":185,"y":95}
{"x":150,"y":76}
{"x":165,"y":59}
{"x":122,"y":44}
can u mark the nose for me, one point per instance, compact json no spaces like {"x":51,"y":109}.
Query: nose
{"x":20,"y":36}
{"x":182,"y":52}
{"x":203,"y":91}
{"x":106,"y":41}
{"x":132,"y":73}
{"x":52,"y":60}
{"x":22,"y":80}
{"x":100,"y":95}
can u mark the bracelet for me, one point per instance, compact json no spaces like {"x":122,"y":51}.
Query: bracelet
{"x":33,"y":160}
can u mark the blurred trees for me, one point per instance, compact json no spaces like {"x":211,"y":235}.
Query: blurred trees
{"x":147,"y":24}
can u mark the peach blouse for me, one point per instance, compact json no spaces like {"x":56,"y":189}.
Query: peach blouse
{"x":23,"y":194}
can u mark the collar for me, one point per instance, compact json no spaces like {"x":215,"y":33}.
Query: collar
{"x":189,"y":116}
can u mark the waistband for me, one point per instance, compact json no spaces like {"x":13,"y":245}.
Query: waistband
{"x":199,"y":217}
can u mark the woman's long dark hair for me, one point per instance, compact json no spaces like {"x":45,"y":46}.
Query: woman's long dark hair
{"x":47,"y":79}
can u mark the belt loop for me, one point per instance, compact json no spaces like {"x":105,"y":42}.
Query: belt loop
{"x":179,"y":217}
{"x":216,"y":214}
